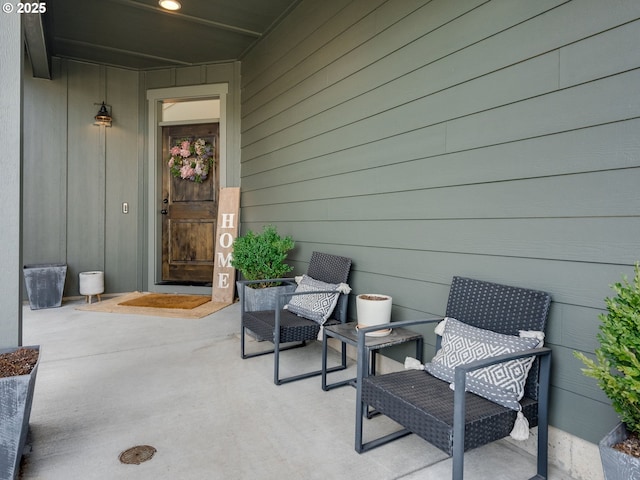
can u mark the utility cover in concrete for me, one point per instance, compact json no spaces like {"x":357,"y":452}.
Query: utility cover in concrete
{"x":138,"y":454}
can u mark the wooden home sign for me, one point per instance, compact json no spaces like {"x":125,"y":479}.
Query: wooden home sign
{"x":224,"y":275}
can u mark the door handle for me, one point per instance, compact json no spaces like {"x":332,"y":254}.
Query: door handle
{"x":164,"y":211}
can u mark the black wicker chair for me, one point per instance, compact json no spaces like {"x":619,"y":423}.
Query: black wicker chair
{"x":280,"y":326}
{"x":456,"y":421}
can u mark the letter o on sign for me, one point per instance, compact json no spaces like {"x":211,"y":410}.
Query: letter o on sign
{"x":226,"y":240}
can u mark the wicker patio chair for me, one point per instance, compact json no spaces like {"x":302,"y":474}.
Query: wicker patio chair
{"x":280,"y":326}
{"x":456,"y":420}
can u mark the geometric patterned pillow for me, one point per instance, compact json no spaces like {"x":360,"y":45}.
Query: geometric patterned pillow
{"x":502,"y":383}
{"x":317,"y":307}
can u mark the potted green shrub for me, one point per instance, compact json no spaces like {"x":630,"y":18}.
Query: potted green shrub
{"x":617,"y":370}
{"x":258,"y":257}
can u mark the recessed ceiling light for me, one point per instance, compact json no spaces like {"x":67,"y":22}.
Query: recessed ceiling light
{"x":170,"y":4}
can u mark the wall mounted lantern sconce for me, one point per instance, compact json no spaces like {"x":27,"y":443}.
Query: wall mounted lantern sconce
{"x":104,"y":115}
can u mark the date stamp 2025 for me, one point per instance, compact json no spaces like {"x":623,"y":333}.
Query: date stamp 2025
{"x":20,"y":7}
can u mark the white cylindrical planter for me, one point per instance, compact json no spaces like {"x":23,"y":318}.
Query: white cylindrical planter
{"x":373,"y":309}
{"x":91,"y":283}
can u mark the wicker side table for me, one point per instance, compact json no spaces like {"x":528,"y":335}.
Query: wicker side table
{"x":347,"y":333}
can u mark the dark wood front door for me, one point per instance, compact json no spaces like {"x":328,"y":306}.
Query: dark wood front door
{"x":189,"y":208}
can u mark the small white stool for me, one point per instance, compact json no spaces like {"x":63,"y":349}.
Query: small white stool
{"x":91,"y":283}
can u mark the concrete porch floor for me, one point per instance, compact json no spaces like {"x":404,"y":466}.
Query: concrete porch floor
{"x":109,"y":382}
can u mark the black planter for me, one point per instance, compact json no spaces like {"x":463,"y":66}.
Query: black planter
{"x":16,"y":397}
{"x":615,"y":464}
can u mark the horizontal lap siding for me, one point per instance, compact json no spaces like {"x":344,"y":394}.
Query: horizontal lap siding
{"x":426,"y":139}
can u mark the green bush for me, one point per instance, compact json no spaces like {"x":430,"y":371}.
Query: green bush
{"x":260,"y":256}
{"x":617,"y":366}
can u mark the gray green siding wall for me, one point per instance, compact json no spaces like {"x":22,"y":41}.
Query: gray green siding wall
{"x":426,"y":139}
{"x":78,"y":174}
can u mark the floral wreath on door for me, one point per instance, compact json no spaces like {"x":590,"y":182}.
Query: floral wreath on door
{"x":191,"y":159}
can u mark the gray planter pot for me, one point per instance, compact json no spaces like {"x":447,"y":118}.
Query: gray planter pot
{"x":263,"y":298}
{"x":617,"y":465}
{"x":16,"y":397}
{"x":45,"y":284}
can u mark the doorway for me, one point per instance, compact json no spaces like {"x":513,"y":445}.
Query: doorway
{"x":189,"y":251}
{"x":190,"y":186}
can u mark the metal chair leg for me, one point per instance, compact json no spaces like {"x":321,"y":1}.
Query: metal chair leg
{"x":459,"y":410}
{"x":242,"y":333}
{"x":543,"y":417}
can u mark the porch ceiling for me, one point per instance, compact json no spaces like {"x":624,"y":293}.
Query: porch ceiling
{"x":138,"y":34}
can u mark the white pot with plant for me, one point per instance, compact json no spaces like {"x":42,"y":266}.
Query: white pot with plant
{"x":617,"y":370}
{"x":374,"y":309}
